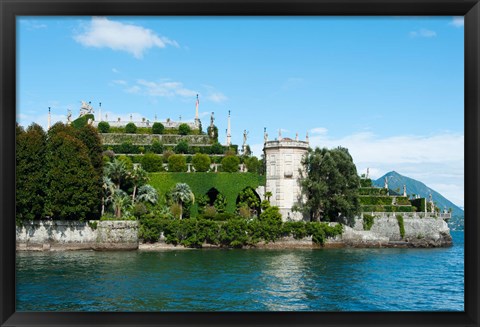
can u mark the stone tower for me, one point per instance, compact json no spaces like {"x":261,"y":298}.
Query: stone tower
{"x":283,"y":161}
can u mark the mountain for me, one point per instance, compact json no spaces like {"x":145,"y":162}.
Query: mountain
{"x":396,"y":182}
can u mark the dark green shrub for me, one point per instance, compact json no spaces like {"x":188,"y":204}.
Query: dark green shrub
{"x":217,"y":148}
{"x":367,"y":221}
{"x":201,"y":162}
{"x":401,"y":225}
{"x":184,"y":129}
{"x":158,"y":128}
{"x":130,"y":128}
{"x":103,"y":127}
{"x":230,"y":164}
{"x":181,"y":147}
{"x":157,"y":147}
{"x":177,"y":163}
{"x":152,"y":162}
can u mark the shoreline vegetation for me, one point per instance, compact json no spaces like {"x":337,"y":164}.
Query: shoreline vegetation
{"x":95,"y":198}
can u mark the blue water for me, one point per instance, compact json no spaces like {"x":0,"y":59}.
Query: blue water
{"x":244,"y":280}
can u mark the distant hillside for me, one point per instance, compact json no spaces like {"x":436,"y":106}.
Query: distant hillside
{"x":396,"y":182}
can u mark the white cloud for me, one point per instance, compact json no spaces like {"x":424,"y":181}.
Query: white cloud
{"x":319,"y":130}
{"x":458,"y":21}
{"x":116,"y":71}
{"x":423,"y":33}
{"x":32,"y":25}
{"x":217,"y":97}
{"x":119,"y":82}
{"x":164,"y":89}
{"x":435,"y":160}
{"x":101,"y":33}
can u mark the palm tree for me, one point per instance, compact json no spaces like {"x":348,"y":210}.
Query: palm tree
{"x":181,"y":194}
{"x":147,"y":193}
{"x":139,"y":177}
{"x":108,"y":191}
{"x":116,"y":171}
{"x":120,"y":200}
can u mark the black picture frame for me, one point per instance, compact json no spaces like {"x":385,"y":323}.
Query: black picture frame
{"x":9,"y":9}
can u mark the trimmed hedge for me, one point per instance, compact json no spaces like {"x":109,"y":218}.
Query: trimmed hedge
{"x":372,"y":191}
{"x":380,"y":208}
{"x":228,"y":184}
{"x":375,"y":200}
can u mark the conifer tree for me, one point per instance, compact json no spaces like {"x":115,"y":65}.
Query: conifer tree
{"x":30,"y":172}
{"x":71,"y":190}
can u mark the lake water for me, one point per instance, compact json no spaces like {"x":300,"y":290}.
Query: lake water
{"x":244,"y":280}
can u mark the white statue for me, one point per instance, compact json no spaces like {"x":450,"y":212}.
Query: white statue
{"x":85,"y":108}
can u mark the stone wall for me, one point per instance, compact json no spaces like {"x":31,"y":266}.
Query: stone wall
{"x":75,"y":235}
{"x":385,"y":231}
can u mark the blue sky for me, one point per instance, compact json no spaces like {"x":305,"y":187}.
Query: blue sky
{"x":390,"y":89}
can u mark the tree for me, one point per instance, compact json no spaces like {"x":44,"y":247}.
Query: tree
{"x":253,"y":164}
{"x":71,"y":190}
{"x":138,"y":177}
{"x":184,"y":129}
{"x":103,"y":127}
{"x":201,"y":162}
{"x":249,"y":198}
{"x":158,"y":128}
{"x":230,"y":164}
{"x":30,"y":172}
{"x":182,"y":194}
{"x":147,"y":193}
{"x":130,"y":128}
{"x":116,"y":171}
{"x":329,"y":186}
{"x":120,"y":200}
{"x":152,"y":162}
{"x":89,"y":136}
{"x":177,"y":163}
{"x":181,"y":147}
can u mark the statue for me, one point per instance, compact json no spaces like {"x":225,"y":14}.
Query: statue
{"x":69,"y":117}
{"x":212,"y":131}
{"x":265,"y":135}
{"x":404,"y":190}
{"x":296,"y":136}
{"x":85,"y":108}
{"x":245,"y":133}
{"x":386,"y":183}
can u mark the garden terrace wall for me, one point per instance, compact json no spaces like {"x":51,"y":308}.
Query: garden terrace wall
{"x":76,"y":235}
{"x":147,"y":139}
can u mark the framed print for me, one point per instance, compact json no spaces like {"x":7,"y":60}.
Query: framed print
{"x":239,"y":163}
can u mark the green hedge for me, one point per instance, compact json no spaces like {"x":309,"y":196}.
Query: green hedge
{"x":129,"y":148}
{"x":229,"y":184}
{"x":235,"y":233}
{"x":375,"y":200}
{"x":380,"y":208}
{"x":372,"y":191}
{"x":402,"y":200}
{"x":419,"y":204}
{"x":368,"y":221}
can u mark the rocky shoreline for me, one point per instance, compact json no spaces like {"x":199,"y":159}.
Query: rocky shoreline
{"x":123,"y":235}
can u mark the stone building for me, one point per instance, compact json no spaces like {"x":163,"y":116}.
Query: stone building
{"x":283,"y":160}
